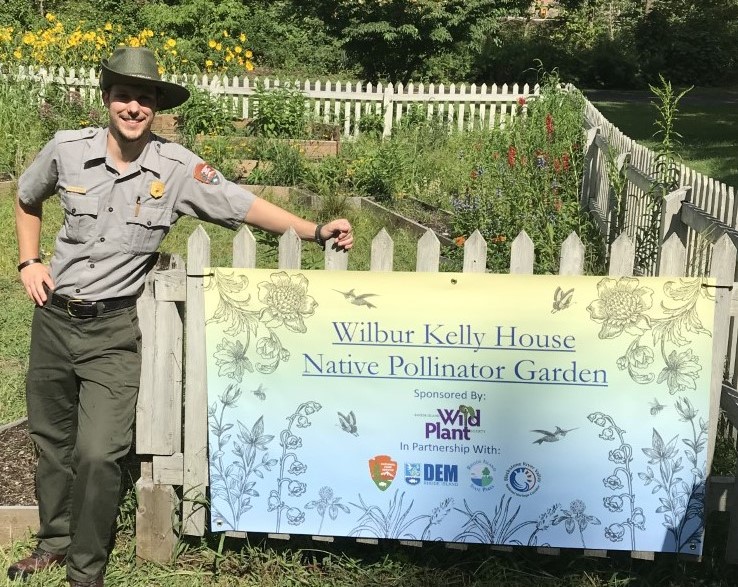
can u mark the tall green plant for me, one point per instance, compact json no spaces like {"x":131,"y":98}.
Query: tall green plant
{"x":665,"y":172}
{"x":204,"y":114}
{"x":278,"y":112}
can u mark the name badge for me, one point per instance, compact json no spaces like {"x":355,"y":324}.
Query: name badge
{"x":75,"y":189}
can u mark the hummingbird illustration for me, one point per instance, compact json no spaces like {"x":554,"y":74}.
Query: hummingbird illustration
{"x":562,"y":299}
{"x":348,"y":423}
{"x":554,"y":436}
{"x":357,"y":299}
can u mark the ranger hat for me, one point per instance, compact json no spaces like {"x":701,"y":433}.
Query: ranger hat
{"x":137,"y":66}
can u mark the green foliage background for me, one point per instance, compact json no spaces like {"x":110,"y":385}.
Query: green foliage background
{"x":592,"y":43}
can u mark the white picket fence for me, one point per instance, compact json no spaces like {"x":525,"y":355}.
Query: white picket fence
{"x":343,"y":104}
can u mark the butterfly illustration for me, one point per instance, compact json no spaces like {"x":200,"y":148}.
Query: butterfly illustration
{"x":562,"y":299}
{"x":259,"y":392}
{"x":348,"y":423}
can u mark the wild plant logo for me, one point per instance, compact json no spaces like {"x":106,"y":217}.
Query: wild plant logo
{"x":523,"y":479}
{"x":413,"y":473}
{"x":382,"y":470}
{"x":481,"y":475}
{"x":454,"y":423}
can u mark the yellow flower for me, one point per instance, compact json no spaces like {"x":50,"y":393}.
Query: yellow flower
{"x":249,"y":66}
{"x":218,"y":47}
{"x":208,"y":63}
{"x":50,"y":17}
{"x":238,"y":49}
{"x":108,"y":26}
{"x":17,"y":54}
{"x":249,"y":54}
{"x":225,"y":34}
{"x":242,"y":38}
{"x":170,"y":43}
{"x":211,"y":44}
{"x":134,"y":42}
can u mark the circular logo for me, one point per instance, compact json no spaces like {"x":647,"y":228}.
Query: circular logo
{"x":481,"y":475}
{"x":523,"y":479}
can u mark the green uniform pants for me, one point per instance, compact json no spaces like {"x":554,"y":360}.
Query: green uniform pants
{"x":81,"y":394}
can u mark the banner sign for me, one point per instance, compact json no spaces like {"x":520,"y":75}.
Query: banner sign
{"x":562,"y":411}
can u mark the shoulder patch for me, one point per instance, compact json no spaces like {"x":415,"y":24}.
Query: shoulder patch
{"x":68,"y":136}
{"x":206,"y":174}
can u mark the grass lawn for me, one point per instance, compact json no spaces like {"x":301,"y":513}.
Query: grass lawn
{"x":707,"y":119}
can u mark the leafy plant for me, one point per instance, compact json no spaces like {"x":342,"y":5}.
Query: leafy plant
{"x":278,"y":112}
{"x":203,"y":114}
{"x":666,"y":174}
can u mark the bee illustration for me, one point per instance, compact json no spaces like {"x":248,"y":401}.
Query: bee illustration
{"x":348,"y":423}
{"x":259,"y":392}
{"x":656,"y":407}
{"x":562,"y":299}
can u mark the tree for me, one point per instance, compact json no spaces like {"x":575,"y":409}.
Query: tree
{"x":396,"y":39}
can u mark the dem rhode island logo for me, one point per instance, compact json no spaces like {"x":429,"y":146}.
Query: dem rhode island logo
{"x":481,"y":475}
{"x":431,"y":474}
{"x":523,"y":479}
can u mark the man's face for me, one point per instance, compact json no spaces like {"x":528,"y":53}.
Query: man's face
{"x":132,"y":109}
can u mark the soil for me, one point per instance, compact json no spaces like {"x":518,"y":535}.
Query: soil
{"x":17,"y":466}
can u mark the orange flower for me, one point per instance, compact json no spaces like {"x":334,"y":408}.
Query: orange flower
{"x":500,"y":238}
{"x":460,"y":240}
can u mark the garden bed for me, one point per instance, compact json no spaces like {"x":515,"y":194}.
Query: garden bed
{"x":18,"y":506}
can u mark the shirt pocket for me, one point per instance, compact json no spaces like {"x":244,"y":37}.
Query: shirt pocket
{"x":147,"y":229}
{"x":80,"y":216}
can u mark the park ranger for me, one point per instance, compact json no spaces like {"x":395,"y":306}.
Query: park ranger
{"x":121,"y":188}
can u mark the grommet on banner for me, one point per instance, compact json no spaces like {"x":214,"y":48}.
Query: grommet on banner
{"x":728,"y":287}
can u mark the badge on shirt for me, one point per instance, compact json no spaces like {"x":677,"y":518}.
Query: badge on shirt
{"x":157,"y":189}
{"x":75,"y":189}
{"x":206,"y":174}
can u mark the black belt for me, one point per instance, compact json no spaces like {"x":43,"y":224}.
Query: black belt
{"x":91,"y":309}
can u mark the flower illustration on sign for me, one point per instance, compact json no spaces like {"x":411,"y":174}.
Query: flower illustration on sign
{"x":285,"y":304}
{"x":622,"y":309}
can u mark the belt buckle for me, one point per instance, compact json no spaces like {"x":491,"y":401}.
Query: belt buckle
{"x":81,"y":309}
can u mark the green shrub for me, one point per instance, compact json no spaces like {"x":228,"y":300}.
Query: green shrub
{"x":278,"y":112}
{"x":204,"y":114}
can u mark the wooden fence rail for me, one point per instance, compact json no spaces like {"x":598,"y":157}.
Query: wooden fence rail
{"x":173,"y":308}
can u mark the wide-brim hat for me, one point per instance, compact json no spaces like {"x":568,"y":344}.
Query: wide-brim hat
{"x":137,"y":66}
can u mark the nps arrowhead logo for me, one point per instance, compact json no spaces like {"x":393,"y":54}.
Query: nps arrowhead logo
{"x":382,"y":470}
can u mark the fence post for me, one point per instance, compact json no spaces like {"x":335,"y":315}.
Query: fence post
{"x":671,"y":221}
{"x":387,"y":106}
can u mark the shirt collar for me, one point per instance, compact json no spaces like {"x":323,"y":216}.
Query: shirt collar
{"x":148,"y":159}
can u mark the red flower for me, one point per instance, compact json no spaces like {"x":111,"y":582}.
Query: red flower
{"x":549,"y":125}
{"x":521,"y":101}
{"x":557,"y":164}
{"x":511,"y":152}
{"x":565,"y":161}
{"x":460,"y":240}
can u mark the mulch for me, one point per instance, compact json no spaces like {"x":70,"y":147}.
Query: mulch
{"x":17,"y":466}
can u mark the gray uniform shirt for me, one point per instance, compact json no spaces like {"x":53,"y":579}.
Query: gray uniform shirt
{"x":114,"y":222}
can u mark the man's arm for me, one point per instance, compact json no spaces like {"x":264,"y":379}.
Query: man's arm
{"x":28,"y":230}
{"x":271,"y":217}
